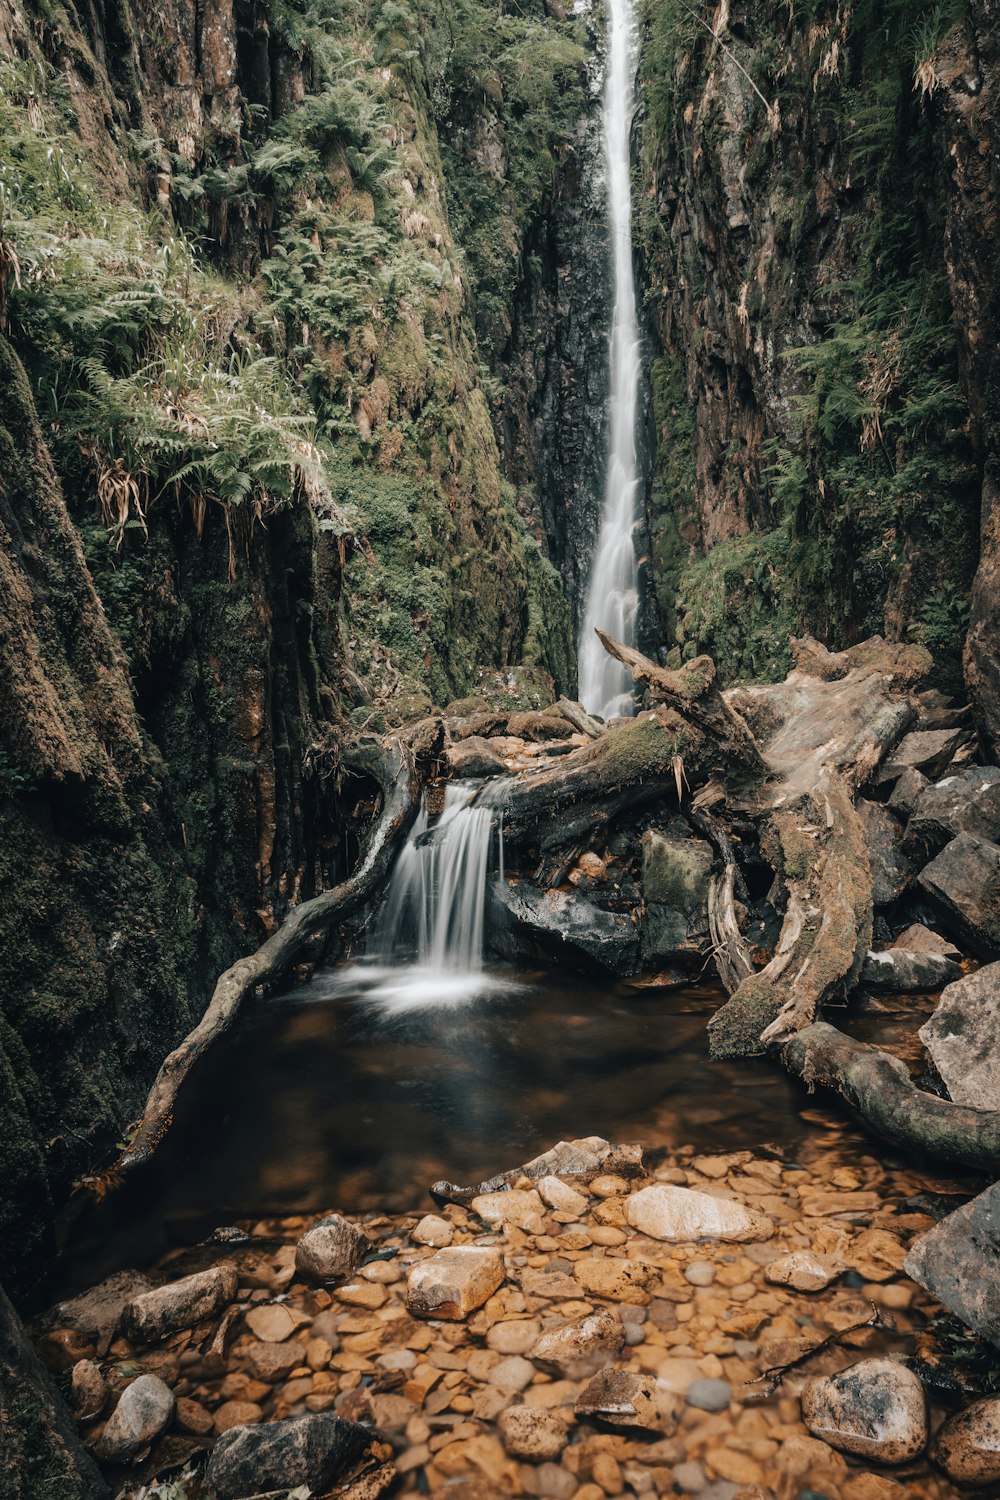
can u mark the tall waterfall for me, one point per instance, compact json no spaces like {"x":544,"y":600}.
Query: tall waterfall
{"x":433,"y":915}
{"x":613,"y":592}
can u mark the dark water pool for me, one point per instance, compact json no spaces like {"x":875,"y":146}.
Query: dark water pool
{"x":325,"y":1098}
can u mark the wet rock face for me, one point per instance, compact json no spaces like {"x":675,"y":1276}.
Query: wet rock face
{"x":145,"y":1409}
{"x":312,"y":1451}
{"x":963,"y":1038}
{"x":331,"y":1250}
{"x":529,"y":923}
{"x":454,"y":1282}
{"x":963,"y":883}
{"x":957,"y":1260}
{"x":676,"y":1213}
{"x":875,"y":1409}
{"x":967,"y":1446}
{"x":179,"y":1304}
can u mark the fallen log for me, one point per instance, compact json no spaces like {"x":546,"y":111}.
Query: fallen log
{"x":391,"y":764}
{"x":879,"y":1089}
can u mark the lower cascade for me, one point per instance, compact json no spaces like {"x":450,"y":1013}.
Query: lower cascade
{"x":433,"y":917}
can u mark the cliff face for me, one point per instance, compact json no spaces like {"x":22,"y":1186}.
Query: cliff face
{"x":819,"y":234}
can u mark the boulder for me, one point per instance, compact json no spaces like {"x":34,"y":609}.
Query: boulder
{"x":892,"y":871}
{"x":579,"y":1348}
{"x":145,"y":1409}
{"x":312,"y":1451}
{"x":920,"y":939}
{"x":963,"y":884}
{"x":454,"y":1282}
{"x":537,"y":1436}
{"x":963,"y":1038}
{"x":966,"y":802}
{"x":927,"y":750}
{"x":625,"y":1398}
{"x":331,"y":1250}
{"x":898,"y":971}
{"x":958,"y":1261}
{"x":676,"y":1213}
{"x":967,"y":1446}
{"x":179,"y":1304}
{"x":525,"y":922}
{"x":875,"y":1409}
{"x":97,"y":1312}
{"x":804,"y":1270}
{"x":473,"y":757}
{"x":907,"y":793}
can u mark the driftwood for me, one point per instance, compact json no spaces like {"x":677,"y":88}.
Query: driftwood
{"x":878,"y":1087}
{"x":391,"y":764}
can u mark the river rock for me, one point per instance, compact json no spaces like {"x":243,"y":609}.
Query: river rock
{"x":454,"y":1282}
{"x":963,"y":1038}
{"x":897,"y":971}
{"x":805,"y":1270}
{"x":88,"y":1390}
{"x":331,"y":1250}
{"x":959,"y":1262}
{"x":907,"y":792}
{"x":920,"y":939}
{"x":561,"y":1197}
{"x":528,"y":923}
{"x":312,"y":1451}
{"x":179,"y":1304}
{"x":144,"y":1410}
{"x":621,"y":1398}
{"x":615,"y":1279}
{"x":875,"y":1409}
{"x":927,"y":750}
{"x":963,"y":884}
{"x":433,"y":1230}
{"x":709,"y":1395}
{"x":534,"y":1435}
{"x":98,"y":1311}
{"x":665,"y":1212}
{"x":579,"y":1348}
{"x":967,"y":1446}
{"x":274,"y":1322}
{"x":523,"y":1209}
{"x":892,"y":872}
{"x":473,"y":757}
{"x":966,"y":802}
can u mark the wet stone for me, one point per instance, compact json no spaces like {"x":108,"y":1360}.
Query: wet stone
{"x":433,"y":1230}
{"x":88,"y":1390}
{"x":331,"y":1250}
{"x":537,"y":1436}
{"x":560,"y":1196}
{"x":967,"y":1446}
{"x":665,"y":1212}
{"x":709,"y":1395}
{"x":802,"y":1269}
{"x":875,"y":1409}
{"x":620,"y":1398}
{"x":579,"y":1348}
{"x":454,"y":1282}
{"x":144,"y":1410}
{"x":179,"y":1304}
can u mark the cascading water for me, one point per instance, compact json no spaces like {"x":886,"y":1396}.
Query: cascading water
{"x":432,"y":920}
{"x":613,"y":591}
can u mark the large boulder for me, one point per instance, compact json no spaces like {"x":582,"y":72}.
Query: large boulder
{"x":927,"y":750}
{"x":963,"y":884}
{"x":875,"y":1409}
{"x":892,"y":872}
{"x":920,"y":939}
{"x":528,"y":923}
{"x":474,"y":756}
{"x":180,"y":1304}
{"x":966,"y":802}
{"x":311,"y":1451}
{"x":963,"y":1038}
{"x":898,"y":971}
{"x":958,"y":1261}
{"x":145,"y":1409}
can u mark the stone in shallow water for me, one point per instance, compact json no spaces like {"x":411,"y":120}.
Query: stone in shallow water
{"x":621,"y":1398}
{"x":179,"y":1304}
{"x":312,"y":1451}
{"x":804,"y":1270}
{"x":875,"y":1409}
{"x":433,"y":1230}
{"x":675,"y":1213}
{"x":274,"y":1323}
{"x":614,"y":1279}
{"x":967,"y":1447}
{"x":454,"y":1282}
{"x":579,"y":1348}
{"x":963,"y":1038}
{"x":709,"y":1395}
{"x":145,"y":1409}
{"x":524,"y":1209}
{"x":331,"y":1250}
{"x":533,"y":1435}
{"x":560,"y":1196}
{"x":959,"y":1262}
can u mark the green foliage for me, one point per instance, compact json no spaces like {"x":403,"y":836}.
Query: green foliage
{"x":735,"y":604}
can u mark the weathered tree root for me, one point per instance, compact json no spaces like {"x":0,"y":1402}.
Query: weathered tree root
{"x":392,"y":765}
{"x":879,"y":1089}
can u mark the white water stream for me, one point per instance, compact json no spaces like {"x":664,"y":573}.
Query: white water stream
{"x":613,"y":592}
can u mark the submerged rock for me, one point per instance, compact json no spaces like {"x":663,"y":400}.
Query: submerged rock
{"x":959,"y":1262}
{"x":454,"y":1282}
{"x":963,"y":883}
{"x":561,"y":1197}
{"x":528,"y":923}
{"x":97,"y":1312}
{"x":331,"y":1250}
{"x":676,"y":1213}
{"x":898,"y":971}
{"x":805,"y":1270}
{"x":875,"y":1409}
{"x":967,"y":1446}
{"x":179,"y":1304}
{"x":524,"y":1209}
{"x":534,"y":1435}
{"x":624,"y":1398}
{"x":145,"y":1409}
{"x":963,"y":1038}
{"x":579,"y":1348}
{"x":313,"y":1451}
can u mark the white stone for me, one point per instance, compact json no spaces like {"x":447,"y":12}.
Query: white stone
{"x":433,"y":1230}
{"x":804,"y":1270}
{"x":560,"y":1196}
{"x":454,"y":1282}
{"x":875,"y":1409}
{"x":665,"y":1212}
{"x":523,"y":1209}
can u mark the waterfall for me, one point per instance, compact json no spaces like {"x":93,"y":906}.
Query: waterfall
{"x":432,"y":920}
{"x":613,"y":592}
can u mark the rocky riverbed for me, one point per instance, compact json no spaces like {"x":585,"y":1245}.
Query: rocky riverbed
{"x":595,"y":1329}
